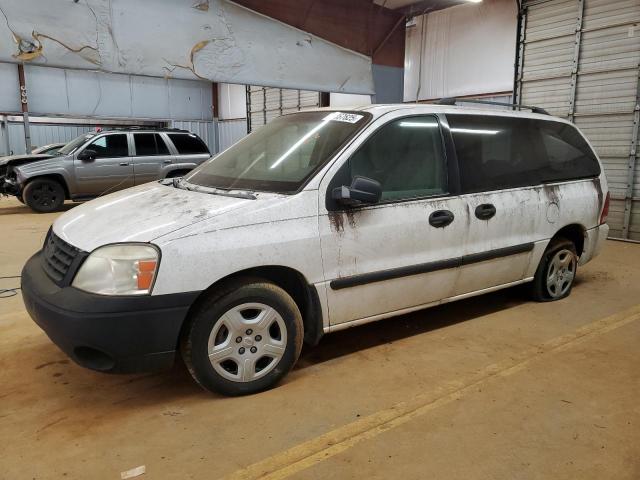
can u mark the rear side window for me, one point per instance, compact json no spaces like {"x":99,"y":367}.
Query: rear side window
{"x":567,"y":152}
{"x":149,"y":144}
{"x":505,"y":152}
{"x":406,"y":157}
{"x":110,"y":146}
{"x":187,"y":143}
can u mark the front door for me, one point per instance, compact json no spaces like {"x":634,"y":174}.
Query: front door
{"x":110,"y":169}
{"x":403,"y":252}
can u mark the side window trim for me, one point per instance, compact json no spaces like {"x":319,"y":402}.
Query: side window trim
{"x":453,"y":181}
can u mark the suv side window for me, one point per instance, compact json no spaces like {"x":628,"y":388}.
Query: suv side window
{"x":188,"y":143}
{"x":110,"y":146}
{"x":406,"y":156}
{"x":149,"y":144}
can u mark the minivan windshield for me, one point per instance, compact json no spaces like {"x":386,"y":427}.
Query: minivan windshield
{"x":282,"y":155}
{"x":73,"y":145}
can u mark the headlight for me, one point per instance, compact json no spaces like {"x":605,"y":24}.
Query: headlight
{"x":127,"y":269}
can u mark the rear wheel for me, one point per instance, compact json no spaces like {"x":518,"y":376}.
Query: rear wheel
{"x":43,"y":195}
{"x":244,"y":339}
{"x":556,"y":271}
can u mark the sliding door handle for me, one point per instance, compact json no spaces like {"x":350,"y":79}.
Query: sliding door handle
{"x":485,"y":211}
{"x":441,"y":218}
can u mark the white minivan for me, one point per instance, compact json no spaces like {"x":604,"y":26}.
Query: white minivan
{"x":319,"y":221}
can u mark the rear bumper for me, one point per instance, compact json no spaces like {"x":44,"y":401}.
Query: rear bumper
{"x":106,"y":333}
{"x":593,"y":241}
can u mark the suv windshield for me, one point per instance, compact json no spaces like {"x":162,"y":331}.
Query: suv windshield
{"x":282,"y":155}
{"x":75,"y":143}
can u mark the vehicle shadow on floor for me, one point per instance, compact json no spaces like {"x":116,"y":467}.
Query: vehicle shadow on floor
{"x":390,"y":330}
{"x":23,"y":209}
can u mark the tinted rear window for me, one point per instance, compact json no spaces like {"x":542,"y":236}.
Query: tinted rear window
{"x":188,"y":143}
{"x":504,"y":152}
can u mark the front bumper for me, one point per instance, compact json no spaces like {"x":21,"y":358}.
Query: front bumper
{"x":8,"y":187}
{"x":106,"y":333}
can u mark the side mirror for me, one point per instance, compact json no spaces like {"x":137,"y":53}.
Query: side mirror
{"x":362,"y":190}
{"x":87,"y":155}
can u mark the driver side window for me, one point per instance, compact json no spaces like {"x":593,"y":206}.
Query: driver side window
{"x":406,"y":156}
{"x":110,"y":146}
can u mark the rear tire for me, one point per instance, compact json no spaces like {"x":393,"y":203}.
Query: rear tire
{"x":556,"y":272}
{"x":243,"y":339}
{"x":44,"y":195}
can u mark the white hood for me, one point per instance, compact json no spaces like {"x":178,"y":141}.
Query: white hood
{"x":142,"y":214}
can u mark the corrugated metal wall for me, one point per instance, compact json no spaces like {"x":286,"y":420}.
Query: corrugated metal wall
{"x":580,"y":59}
{"x":230,"y":131}
{"x":266,"y":103}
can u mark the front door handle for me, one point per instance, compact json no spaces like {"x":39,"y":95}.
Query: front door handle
{"x":441,"y":218}
{"x":124,"y":164}
{"x":485,"y":211}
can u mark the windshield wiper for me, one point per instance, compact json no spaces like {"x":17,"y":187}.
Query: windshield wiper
{"x":180,"y":183}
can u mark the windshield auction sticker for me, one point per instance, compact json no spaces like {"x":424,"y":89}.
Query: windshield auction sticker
{"x":344,"y":117}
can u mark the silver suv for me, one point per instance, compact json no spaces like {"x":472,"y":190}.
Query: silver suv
{"x":97,"y":163}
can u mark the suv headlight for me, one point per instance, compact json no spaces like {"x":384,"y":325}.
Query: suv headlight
{"x":124,"y":269}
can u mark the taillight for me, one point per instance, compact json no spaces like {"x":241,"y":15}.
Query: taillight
{"x":605,"y":209}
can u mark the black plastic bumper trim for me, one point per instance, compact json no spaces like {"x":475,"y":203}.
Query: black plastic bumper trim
{"x":139,"y":333}
{"x":456,"y":262}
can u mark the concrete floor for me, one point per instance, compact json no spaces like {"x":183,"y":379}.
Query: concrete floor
{"x":494,"y":387}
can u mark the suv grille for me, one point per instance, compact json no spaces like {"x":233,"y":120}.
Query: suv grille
{"x":58,"y":258}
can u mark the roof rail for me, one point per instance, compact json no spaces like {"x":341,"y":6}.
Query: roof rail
{"x":514,"y":106}
{"x":143,"y":127}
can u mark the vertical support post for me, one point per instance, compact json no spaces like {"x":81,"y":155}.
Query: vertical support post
{"x":5,"y":127}
{"x":280,"y":102}
{"x":248,"y":103}
{"x":215,"y":107}
{"x":576,"y":62}
{"x":631,"y":164}
{"x":517,"y":99}
{"x":264,"y":105}
{"x":25,"y":107}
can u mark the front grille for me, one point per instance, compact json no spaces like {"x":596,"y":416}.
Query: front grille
{"x":58,"y":258}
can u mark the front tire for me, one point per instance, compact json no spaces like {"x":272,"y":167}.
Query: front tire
{"x":244,"y":339}
{"x":43,"y":195}
{"x":556,"y":272}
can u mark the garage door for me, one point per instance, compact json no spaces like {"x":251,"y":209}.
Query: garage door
{"x":265,"y":103}
{"x":580,"y":60}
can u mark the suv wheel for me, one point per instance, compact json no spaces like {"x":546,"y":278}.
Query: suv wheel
{"x":244,"y":339}
{"x":43,"y":195}
{"x":556,"y":271}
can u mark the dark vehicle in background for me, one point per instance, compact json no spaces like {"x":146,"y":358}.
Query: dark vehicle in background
{"x":97,"y":163}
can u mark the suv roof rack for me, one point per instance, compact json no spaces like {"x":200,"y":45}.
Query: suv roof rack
{"x":142,"y":127}
{"x":514,"y":106}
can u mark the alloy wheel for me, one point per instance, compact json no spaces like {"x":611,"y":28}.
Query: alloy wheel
{"x":561,"y":272}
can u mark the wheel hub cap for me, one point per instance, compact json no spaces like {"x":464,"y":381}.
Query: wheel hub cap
{"x":247,"y":342}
